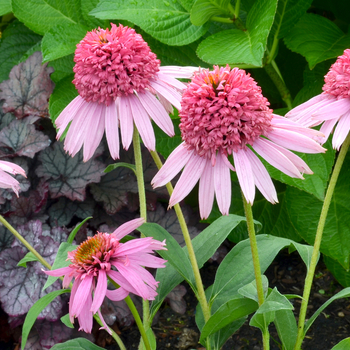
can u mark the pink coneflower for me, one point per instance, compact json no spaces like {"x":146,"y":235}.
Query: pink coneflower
{"x":224,"y":113}
{"x":6,"y":180}
{"x":103,"y":256}
{"x":120,"y":82}
{"x":332,"y":106}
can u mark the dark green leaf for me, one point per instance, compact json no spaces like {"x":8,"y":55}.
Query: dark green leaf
{"x":203,"y":10}
{"x":166,"y":21}
{"x":63,"y":67}
{"x":28,"y":257}
{"x":287,"y":329}
{"x":5,"y":7}
{"x":246,"y":47}
{"x":77,"y":344}
{"x":343,"y":345}
{"x":76,"y":229}
{"x":317,"y":39}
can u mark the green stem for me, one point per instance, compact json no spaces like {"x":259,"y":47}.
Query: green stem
{"x":236,"y":10}
{"x":273,"y":72}
{"x":113,"y":334}
{"x":143,"y":209}
{"x":199,"y":284}
{"x":138,"y":321}
{"x":24,"y":242}
{"x":318,"y":239}
{"x":46,"y":264}
{"x":256,"y":263}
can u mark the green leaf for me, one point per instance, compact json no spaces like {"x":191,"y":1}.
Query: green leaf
{"x":317,"y":39}
{"x":266,"y":312}
{"x":5,"y":7}
{"x":341,"y":275}
{"x":76,"y":344}
{"x":229,"y":312}
{"x":60,"y":261}
{"x":174,"y":253}
{"x":93,"y":22}
{"x":16,"y":42}
{"x":287,"y":329}
{"x":343,"y":345}
{"x":246,"y":47}
{"x":34,"y":312}
{"x":41,"y":15}
{"x":345,"y":293}
{"x":204,"y":245}
{"x":63,"y":67}
{"x":66,"y":320}
{"x":166,"y":144}
{"x":305,"y":252}
{"x":28,"y":257}
{"x":62,"y":95}
{"x":249,"y":291}
{"x":304,"y":211}
{"x":111,"y":167}
{"x":287,"y":15}
{"x":203,"y":10}
{"x":76,"y":229}
{"x":61,"y":40}
{"x":166,"y":21}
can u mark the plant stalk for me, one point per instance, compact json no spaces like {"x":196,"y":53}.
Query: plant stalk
{"x":198,"y":279}
{"x":256,"y":263}
{"x":318,"y":238}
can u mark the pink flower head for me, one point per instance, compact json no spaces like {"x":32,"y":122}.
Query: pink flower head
{"x":120,"y":82}
{"x":224,"y":113}
{"x":103,"y":256}
{"x":7,"y":181}
{"x":330,"y":107}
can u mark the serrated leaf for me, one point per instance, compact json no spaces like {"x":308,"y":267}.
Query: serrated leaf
{"x":35,"y":310}
{"x":317,"y":39}
{"x":287,"y":15}
{"x":5,"y":7}
{"x":41,"y":15}
{"x":62,"y":212}
{"x":16,"y":41}
{"x":304,"y":211}
{"x":113,"y":188}
{"x":68,"y":176}
{"x":28,"y":89}
{"x":166,"y":21}
{"x":341,"y":275}
{"x":316,"y":184}
{"x":246,"y":47}
{"x":63,"y":67}
{"x":203,"y":10}
{"x":21,"y":138}
{"x":77,"y":344}
{"x":63,"y":93}
{"x":6,"y":238}
{"x":62,"y":40}
{"x":86,"y":7}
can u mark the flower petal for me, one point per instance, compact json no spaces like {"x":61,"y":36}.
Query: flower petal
{"x":125,"y":120}
{"x":81,"y":295}
{"x":112,"y":129}
{"x":206,"y":191}
{"x":117,"y":294}
{"x":341,"y":131}
{"x":222,"y":184}
{"x":167,"y":92}
{"x":179,"y":72}
{"x":85,"y":316}
{"x":127,"y":228}
{"x":333,"y":110}
{"x":100,"y":291}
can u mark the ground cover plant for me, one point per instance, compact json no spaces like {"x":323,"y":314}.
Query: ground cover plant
{"x":113,"y":113}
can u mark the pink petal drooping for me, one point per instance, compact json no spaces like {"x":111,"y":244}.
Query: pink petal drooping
{"x":225,"y":114}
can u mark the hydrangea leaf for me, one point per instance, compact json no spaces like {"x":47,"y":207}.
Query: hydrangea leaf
{"x":113,"y":188}
{"x":63,"y":67}
{"x":246,"y":47}
{"x":77,"y":344}
{"x":176,"y":300}
{"x":166,"y":21}
{"x":5,"y":7}
{"x":15,"y":42}
{"x":62,"y":212}
{"x":62,"y":40}
{"x":203,"y":10}
{"x":68,"y":176}
{"x":317,"y":39}
{"x":28,"y":89}
{"x":6,"y":238}
{"x":41,"y":15}
{"x":21,"y":138}
{"x":86,"y":7}
{"x":64,"y":93}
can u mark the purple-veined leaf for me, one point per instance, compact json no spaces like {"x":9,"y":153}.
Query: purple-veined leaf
{"x":68,"y":176}
{"x":116,"y":311}
{"x":21,"y":138}
{"x":6,"y":238}
{"x":28,"y":89}
{"x":169,"y":221}
{"x":62,"y":212}
{"x":52,"y":333}
{"x":113,"y":188}
{"x":176,"y":300}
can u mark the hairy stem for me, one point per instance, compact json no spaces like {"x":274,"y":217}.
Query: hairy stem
{"x":318,"y":238}
{"x":256,"y":263}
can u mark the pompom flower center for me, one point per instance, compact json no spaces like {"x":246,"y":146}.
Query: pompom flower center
{"x":223,"y":111}
{"x":337,"y":80}
{"x":112,"y":63}
{"x":94,"y":253}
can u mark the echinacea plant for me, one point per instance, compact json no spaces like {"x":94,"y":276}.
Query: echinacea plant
{"x":165,"y":77}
